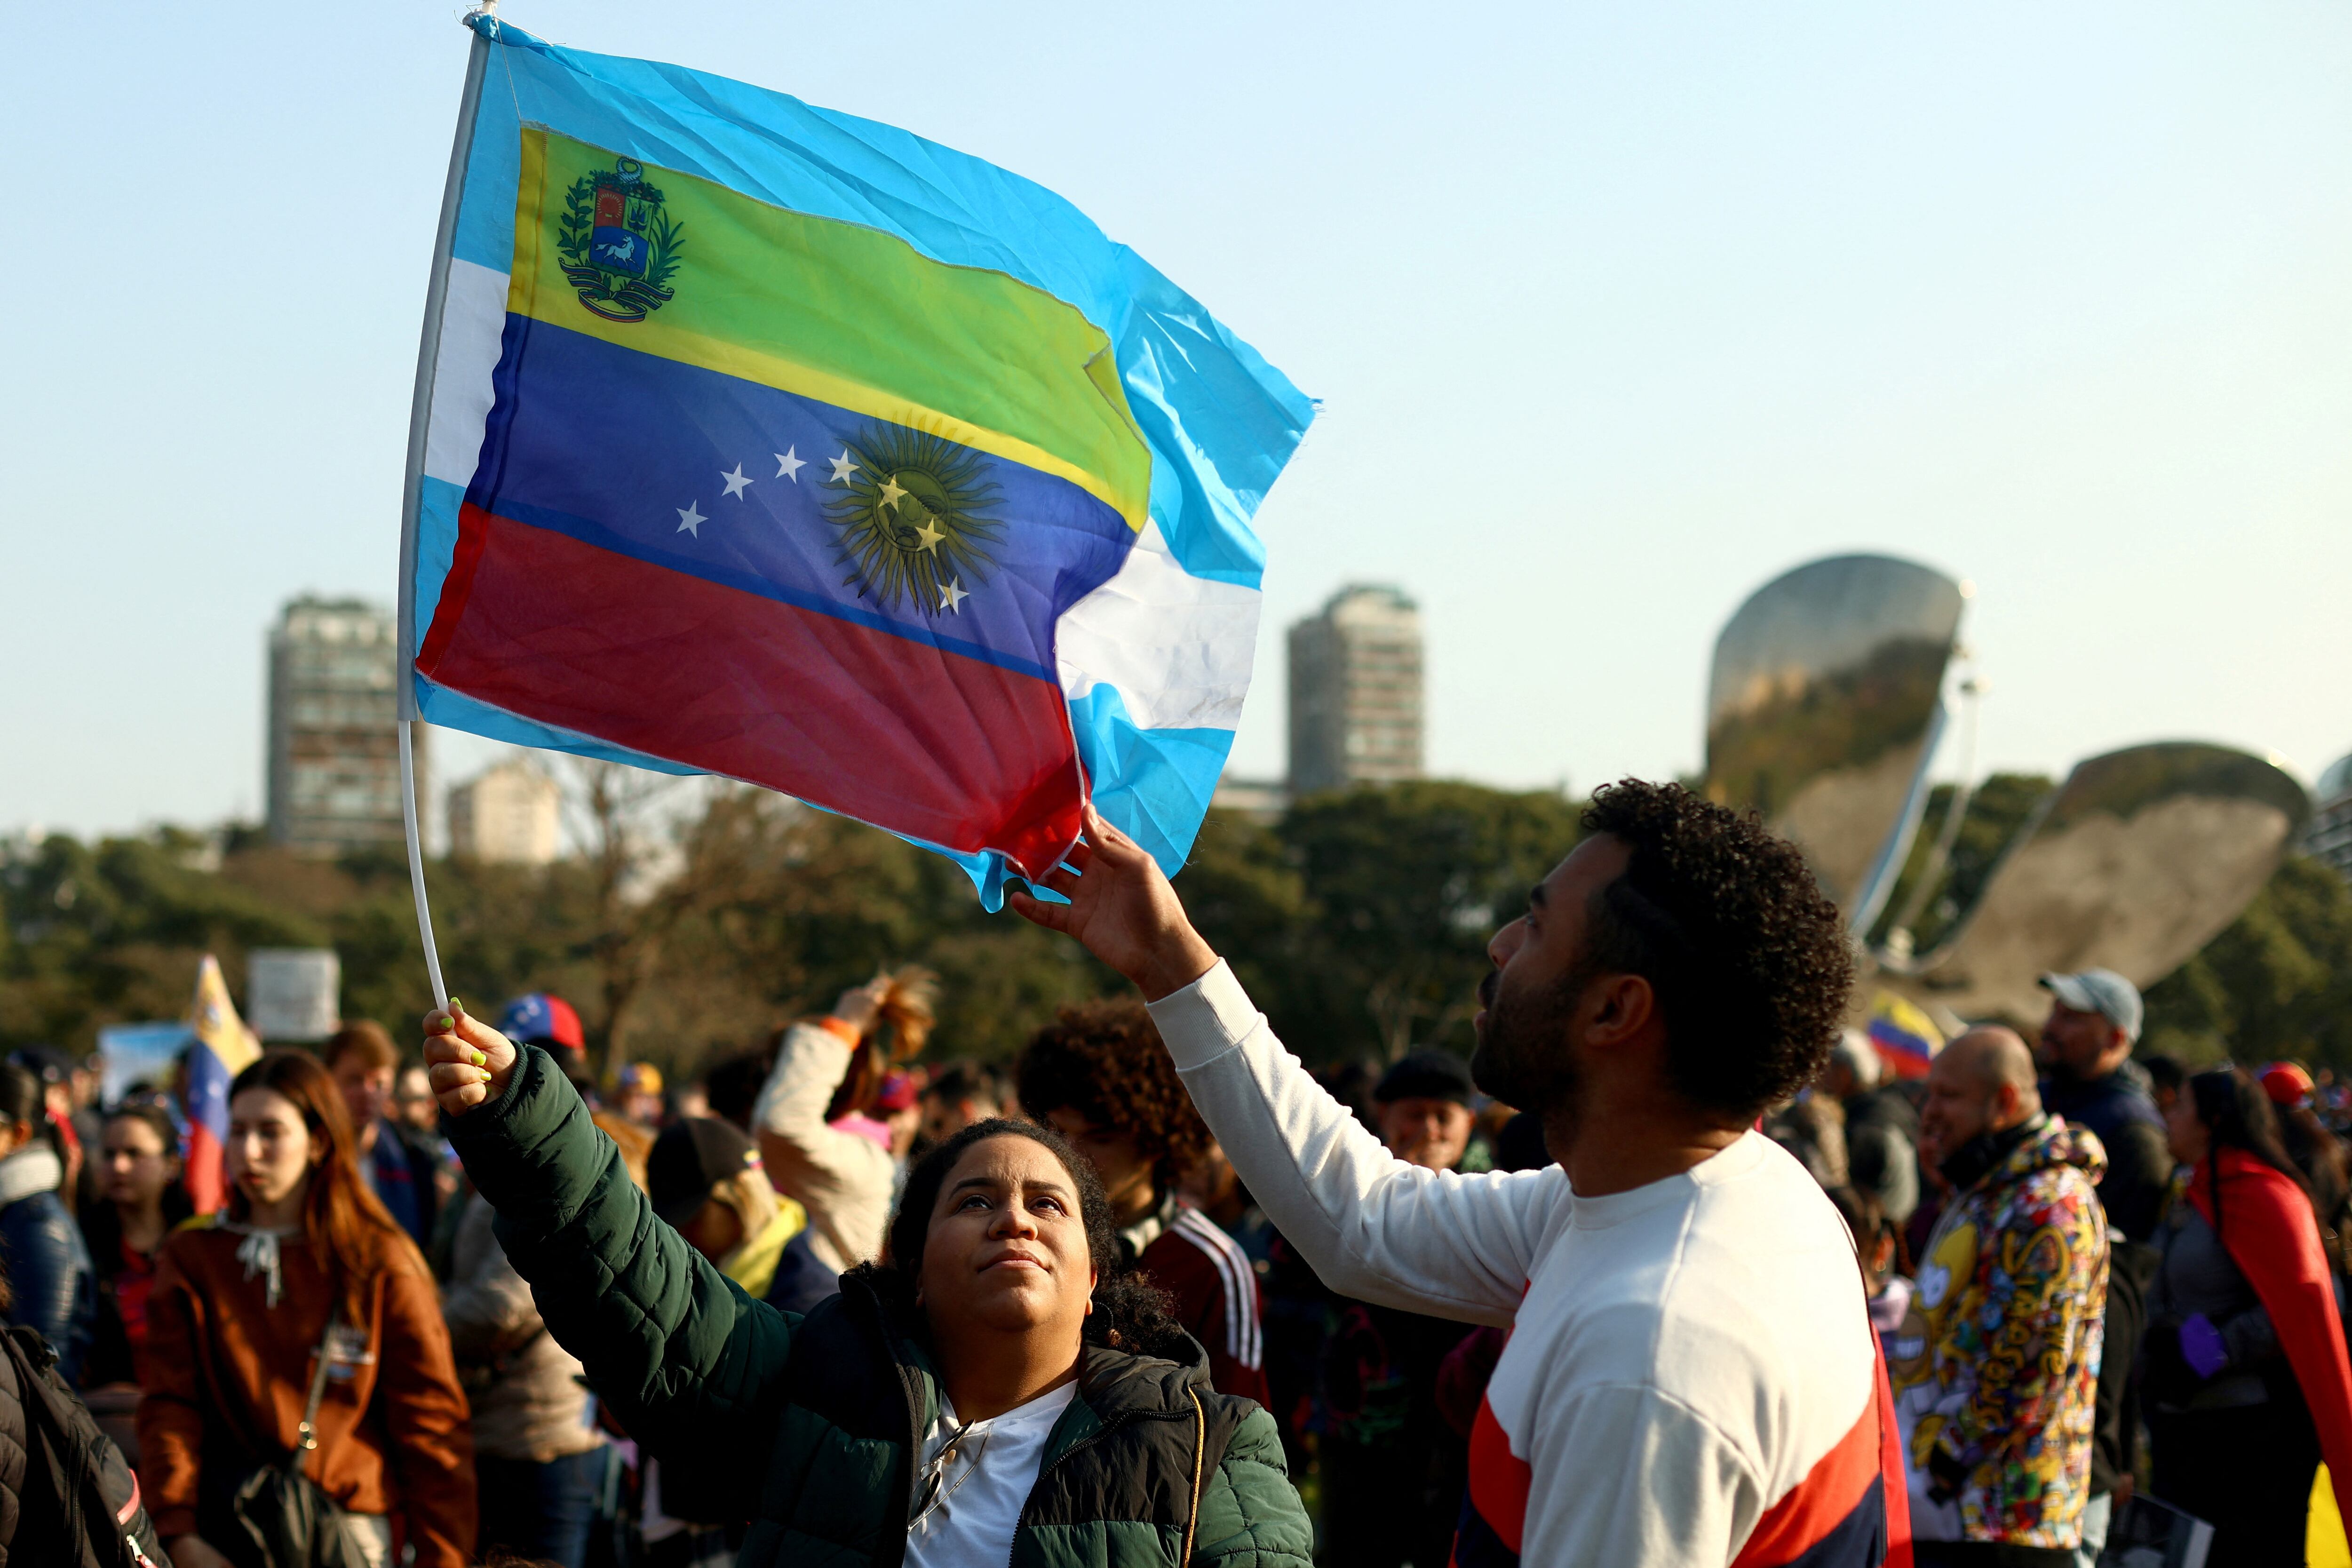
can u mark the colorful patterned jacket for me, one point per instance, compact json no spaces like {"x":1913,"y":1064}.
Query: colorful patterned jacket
{"x":1996,"y":1374}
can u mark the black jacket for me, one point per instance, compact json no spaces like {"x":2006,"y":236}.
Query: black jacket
{"x":39,"y":1460}
{"x":2120,"y":1110}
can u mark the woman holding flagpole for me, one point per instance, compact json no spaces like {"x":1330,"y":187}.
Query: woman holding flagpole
{"x":302,"y":1305}
{"x":993,"y":1390}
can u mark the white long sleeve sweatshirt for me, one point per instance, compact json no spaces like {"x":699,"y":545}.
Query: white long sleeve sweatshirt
{"x":1691,"y":1378}
{"x":843,"y":1180}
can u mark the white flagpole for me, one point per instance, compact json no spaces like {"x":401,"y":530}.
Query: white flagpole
{"x":420,"y":420}
{"x":416,"y":861}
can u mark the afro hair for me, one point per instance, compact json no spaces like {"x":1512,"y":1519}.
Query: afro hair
{"x":1747,"y":959}
{"x":1105,"y":1061}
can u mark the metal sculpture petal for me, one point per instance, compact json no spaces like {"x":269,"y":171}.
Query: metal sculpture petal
{"x":1824,"y":709}
{"x":2137,"y":861}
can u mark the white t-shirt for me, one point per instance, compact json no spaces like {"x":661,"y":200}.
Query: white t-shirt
{"x":1691,"y":1378}
{"x":983,"y":1484}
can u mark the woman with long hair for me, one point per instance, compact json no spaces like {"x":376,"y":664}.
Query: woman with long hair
{"x":993,"y":1390}
{"x":140,"y":1200}
{"x":304,"y":1263}
{"x":2247,"y":1382}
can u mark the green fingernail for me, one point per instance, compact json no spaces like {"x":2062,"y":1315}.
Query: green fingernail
{"x":456,"y":1005}
{"x":481,"y":1060}
{"x":442,"y":1022}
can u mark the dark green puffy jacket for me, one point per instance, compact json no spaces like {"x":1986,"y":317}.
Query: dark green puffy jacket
{"x":807,"y":1427}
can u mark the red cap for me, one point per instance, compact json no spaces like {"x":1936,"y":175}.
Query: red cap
{"x":2285,"y":1083}
{"x":545,"y":1018}
{"x":898,"y":1092}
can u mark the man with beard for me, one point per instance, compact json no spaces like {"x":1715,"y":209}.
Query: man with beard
{"x":2090,"y":1080}
{"x":1692,"y":1377}
{"x":1998,"y":1376}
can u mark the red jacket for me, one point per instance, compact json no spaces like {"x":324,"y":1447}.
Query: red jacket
{"x":1217,"y":1299}
{"x":2267,"y":1227}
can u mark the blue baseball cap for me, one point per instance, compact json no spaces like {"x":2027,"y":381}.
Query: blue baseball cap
{"x":2100,"y":991}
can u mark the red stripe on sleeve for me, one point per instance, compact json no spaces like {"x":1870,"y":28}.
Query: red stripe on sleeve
{"x":1840,"y":1482}
{"x":1499,"y":1479}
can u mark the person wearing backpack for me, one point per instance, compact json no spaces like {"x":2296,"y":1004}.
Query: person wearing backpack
{"x":68,"y":1499}
{"x":295,"y":1354}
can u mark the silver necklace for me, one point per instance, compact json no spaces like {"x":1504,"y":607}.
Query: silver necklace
{"x":937,"y":1490}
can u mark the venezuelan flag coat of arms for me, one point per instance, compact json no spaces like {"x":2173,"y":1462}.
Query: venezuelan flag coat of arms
{"x":758,"y":440}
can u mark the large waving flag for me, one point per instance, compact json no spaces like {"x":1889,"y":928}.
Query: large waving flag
{"x":760,"y":440}
{"x":223,"y":1048}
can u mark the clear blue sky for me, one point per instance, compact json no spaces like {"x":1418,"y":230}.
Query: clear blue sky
{"x":1616,"y":310}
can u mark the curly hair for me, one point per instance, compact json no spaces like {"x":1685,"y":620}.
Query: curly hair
{"x":1105,"y":1061}
{"x":1131,"y":1313}
{"x":1747,"y":959}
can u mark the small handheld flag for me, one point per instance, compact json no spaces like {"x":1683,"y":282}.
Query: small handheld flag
{"x":756,"y":439}
{"x":223,"y":1048}
{"x":1905,"y":1037}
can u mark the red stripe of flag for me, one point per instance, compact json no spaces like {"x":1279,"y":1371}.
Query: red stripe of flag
{"x":949,"y":750}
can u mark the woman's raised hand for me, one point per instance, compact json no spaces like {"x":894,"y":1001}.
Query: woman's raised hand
{"x":470,"y":1062}
{"x":861,"y":1005}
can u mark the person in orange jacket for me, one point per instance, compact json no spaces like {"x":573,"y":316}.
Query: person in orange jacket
{"x":303,"y":1262}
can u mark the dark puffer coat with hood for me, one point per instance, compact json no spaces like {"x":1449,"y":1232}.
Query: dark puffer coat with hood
{"x":42,"y":1253}
{"x":807,"y":1427}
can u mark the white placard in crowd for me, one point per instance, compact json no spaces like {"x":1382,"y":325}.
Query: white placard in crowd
{"x":293,"y":993}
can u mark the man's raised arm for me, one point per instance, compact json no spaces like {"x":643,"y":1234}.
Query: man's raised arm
{"x":1372,"y":1225}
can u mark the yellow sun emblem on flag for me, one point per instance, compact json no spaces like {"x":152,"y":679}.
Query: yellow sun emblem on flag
{"x":914,"y":515}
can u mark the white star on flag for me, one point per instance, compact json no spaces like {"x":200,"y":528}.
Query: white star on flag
{"x":843,"y":467}
{"x":788,"y":464}
{"x":892,"y":489}
{"x":952,"y":596}
{"x":930,"y":536}
{"x":691,"y":520}
{"x":736,"y":484}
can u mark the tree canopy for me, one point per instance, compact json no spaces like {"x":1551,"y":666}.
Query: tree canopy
{"x":1358,"y":922}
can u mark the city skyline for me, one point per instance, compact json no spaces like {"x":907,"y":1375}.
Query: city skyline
{"x":464,"y":760}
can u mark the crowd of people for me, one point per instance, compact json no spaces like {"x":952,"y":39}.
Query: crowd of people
{"x":1674,"y":1270}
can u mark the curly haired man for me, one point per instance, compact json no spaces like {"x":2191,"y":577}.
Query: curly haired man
{"x":1691,"y":1378}
{"x":1099,"y":1075}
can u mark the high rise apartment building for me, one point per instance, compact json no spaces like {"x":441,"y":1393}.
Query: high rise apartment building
{"x":1355,"y":691}
{"x":334,"y":758}
{"x":2328,"y":835}
{"x":511,"y":814}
